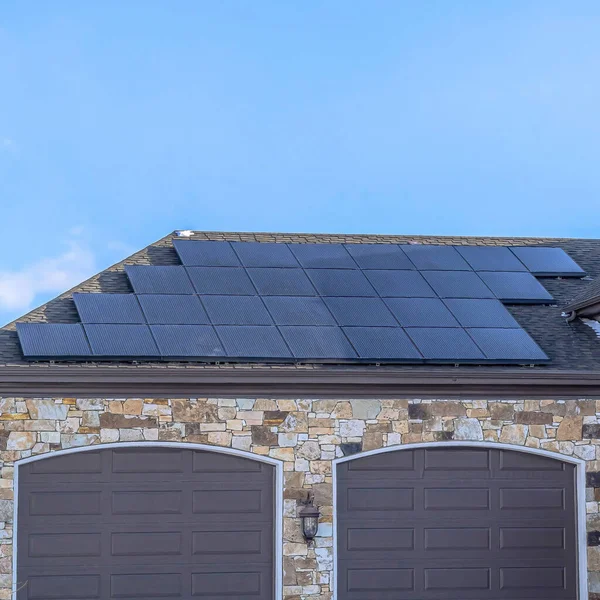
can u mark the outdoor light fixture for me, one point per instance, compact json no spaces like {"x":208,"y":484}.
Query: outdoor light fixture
{"x":310,"y":518}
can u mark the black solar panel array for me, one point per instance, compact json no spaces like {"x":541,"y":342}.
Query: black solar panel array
{"x":321,"y":302}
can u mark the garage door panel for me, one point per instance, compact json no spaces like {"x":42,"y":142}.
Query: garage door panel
{"x":122,"y":535}
{"x":466,"y":534}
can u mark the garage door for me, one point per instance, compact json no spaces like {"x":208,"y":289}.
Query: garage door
{"x":155,"y":522}
{"x":456,"y":523}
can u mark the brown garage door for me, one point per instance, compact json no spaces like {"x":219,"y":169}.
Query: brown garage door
{"x":154,"y":522}
{"x":457,"y":524}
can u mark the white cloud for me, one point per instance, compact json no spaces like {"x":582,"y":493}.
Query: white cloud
{"x":19,"y":289}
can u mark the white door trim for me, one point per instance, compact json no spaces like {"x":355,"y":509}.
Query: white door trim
{"x":278,"y":488}
{"x":579,"y":493}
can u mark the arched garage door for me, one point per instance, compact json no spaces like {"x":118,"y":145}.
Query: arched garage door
{"x":145,"y":522}
{"x":456,"y":523}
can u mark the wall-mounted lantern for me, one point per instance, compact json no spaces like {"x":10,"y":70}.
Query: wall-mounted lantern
{"x":310,"y":518}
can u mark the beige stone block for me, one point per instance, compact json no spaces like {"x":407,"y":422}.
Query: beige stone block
{"x":321,"y":467}
{"x":282,"y":453}
{"x":47,"y":409}
{"x":532,"y":442}
{"x":220,"y":438}
{"x":400,"y":426}
{"x":21,"y":440}
{"x":227,"y":413}
{"x":514,"y":434}
{"x":251,"y":417}
{"x":287,"y":405}
{"x":538,"y":431}
{"x":234,"y":425}
{"x":490,"y":435}
{"x":185,"y":411}
{"x":116,"y":407}
{"x":342,"y":410}
{"x":295,"y":549}
{"x":570,"y":429}
{"x":265,"y":404}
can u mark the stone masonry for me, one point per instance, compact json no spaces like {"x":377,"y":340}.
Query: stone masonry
{"x":305,"y":435}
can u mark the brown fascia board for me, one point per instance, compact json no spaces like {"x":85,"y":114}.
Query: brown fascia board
{"x":295,"y":383}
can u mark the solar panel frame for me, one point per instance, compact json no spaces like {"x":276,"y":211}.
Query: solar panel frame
{"x":480,"y":312}
{"x":508,"y":345}
{"x":360,"y":312}
{"x":547,"y":262}
{"x":457,"y":284}
{"x":491,"y":258}
{"x":236,"y":310}
{"x":429,"y":257}
{"x":445,"y":345}
{"x":265,"y":254}
{"x":516,"y":288}
{"x":221,"y":281}
{"x":298,"y":310}
{"x":421,"y":312}
{"x":53,"y":340}
{"x":340,"y":282}
{"x":108,"y":308}
{"x":150,"y":279}
{"x":281,"y":282}
{"x":399,"y":284}
{"x":118,"y":341}
{"x":383,"y":344}
{"x":327,"y":344}
{"x":323,"y":256}
{"x":166,"y":309}
{"x":379,"y":256}
{"x":204,"y":253}
{"x":253,"y":342}
{"x":187,"y":341}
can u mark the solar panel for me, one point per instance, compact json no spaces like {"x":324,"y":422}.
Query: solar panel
{"x":108,"y":308}
{"x":121,"y":340}
{"x":516,"y":288}
{"x":457,"y":284}
{"x":322,"y":256}
{"x":379,"y":256}
{"x":318,"y":343}
{"x":383,"y":343}
{"x":298,"y":310}
{"x":435,"y":258}
{"x":236,"y":310}
{"x":253,"y":342}
{"x":421,"y":312}
{"x":445,"y":344}
{"x":187,"y":341}
{"x":206,"y":254}
{"x":548,"y":261}
{"x":366,"y":312}
{"x":281,"y":282}
{"x":264,"y":254}
{"x":400,"y":284}
{"x":146,"y":279}
{"x":221,"y":280}
{"x":512,"y":345}
{"x":165,"y":309}
{"x":53,"y":340}
{"x":481,"y":313}
{"x":339,"y":282}
{"x":491,"y":258}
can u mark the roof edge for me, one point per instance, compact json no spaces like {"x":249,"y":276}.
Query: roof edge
{"x":282,"y":383}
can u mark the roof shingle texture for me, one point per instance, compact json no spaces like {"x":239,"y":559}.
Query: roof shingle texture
{"x":570,"y":346}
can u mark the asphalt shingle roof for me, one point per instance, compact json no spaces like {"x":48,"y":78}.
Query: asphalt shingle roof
{"x":570,"y":346}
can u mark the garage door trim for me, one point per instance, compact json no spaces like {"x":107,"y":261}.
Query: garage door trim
{"x":278,"y":517}
{"x":579,"y":490}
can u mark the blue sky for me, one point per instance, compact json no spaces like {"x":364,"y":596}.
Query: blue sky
{"x":122,"y":121}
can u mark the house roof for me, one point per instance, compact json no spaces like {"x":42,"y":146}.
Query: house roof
{"x":571,"y":346}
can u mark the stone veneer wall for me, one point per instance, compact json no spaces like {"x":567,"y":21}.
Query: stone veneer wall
{"x":305,"y":435}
